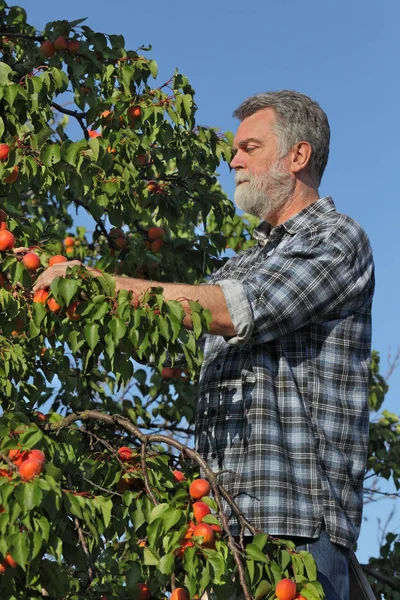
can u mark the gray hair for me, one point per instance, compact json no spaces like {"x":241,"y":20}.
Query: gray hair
{"x":298,"y":118}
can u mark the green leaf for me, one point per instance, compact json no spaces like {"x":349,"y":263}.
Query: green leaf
{"x":5,"y":72}
{"x":153,"y":68}
{"x":262,"y":589}
{"x":67,"y":288}
{"x":149,"y":558}
{"x":166,"y":564}
{"x":117,"y":328}
{"x":50,"y":154}
{"x":20,"y":548}
{"x":28,"y":495}
{"x":92,"y":337}
{"x":309,"y":564}
{"x":254,"y":552}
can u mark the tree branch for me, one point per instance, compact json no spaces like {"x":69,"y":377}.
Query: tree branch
{"x":391,"y":581}
{"x":25,"y":36}
{"x":73,"y":113}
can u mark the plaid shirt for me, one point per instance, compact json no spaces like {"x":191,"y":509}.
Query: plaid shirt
{"x":283,"y":405}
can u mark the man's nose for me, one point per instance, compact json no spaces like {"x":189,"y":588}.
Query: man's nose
{"x":237,"y":161}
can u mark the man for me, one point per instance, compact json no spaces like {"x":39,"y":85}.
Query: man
{"x":283,"y":396}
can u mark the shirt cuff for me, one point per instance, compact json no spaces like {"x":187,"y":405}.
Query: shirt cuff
{"x":239,"y":310}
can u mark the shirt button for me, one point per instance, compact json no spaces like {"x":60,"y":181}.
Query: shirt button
{"x":213,"y":455}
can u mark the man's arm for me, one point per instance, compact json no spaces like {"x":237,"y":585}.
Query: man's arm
{"x":209,"y":296}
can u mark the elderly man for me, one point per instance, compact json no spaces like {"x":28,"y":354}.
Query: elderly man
{"x":283,"y":399}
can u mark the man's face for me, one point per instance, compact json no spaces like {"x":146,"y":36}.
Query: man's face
{"x":263,"y":181}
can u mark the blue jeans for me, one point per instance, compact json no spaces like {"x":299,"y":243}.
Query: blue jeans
{"x":332,"y":565}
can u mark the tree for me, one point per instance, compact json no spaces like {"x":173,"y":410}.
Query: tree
{"x":106,"y":512}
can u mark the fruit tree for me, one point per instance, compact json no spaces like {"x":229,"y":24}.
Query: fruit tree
{"x":101,"y":493}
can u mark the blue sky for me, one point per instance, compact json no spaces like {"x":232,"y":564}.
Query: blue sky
{"x":344,"y":54}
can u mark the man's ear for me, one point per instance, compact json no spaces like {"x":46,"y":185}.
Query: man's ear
{"x":300,"y":156}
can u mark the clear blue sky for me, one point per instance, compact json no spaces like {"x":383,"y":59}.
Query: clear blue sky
{"x":344,"y":54}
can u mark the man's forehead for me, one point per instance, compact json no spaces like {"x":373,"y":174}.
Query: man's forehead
{"x":255,"y":128}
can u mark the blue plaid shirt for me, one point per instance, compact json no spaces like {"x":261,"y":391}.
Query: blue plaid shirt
{"x":283,"y":405}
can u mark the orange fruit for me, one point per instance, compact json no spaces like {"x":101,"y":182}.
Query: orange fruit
{"x":285,"y":589}
{"x":53,"y":305}
{"x":57,"y":258}
{"x":30,"y":468}
{"x":203,"y":530}
{"x":199,"y":488}
{"x":41,"y":296}
{"x":7,"y":240}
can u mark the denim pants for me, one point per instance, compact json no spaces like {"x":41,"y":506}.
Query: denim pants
{"x":332,"y":565}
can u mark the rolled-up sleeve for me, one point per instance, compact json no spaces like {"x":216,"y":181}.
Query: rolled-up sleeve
{"x":290,"y":289}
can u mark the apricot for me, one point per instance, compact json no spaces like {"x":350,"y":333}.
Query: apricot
{"x":4,"y":152}
{"x":153,"y":186}
{"x":71,"y":311}
{"x":47,"y":49}
{"x":37,"y":454}
{"x":285,"y":589}
{"x":134,"y":113}
{"x":156,"y":233}
{"x":199,"y":488}
{"x":144,"y":593}
{"x":204,"y":531}
{"x":125,"y":453}
{"x":69,"y":250}
{"x":69,"y":241}
{"x":31,"y":261}
{"x":53,"y":305}
{"x":180,"y":594}
{"x":60,"y":44}
{"x":57,"y":258}
{"x":200,"y":510}
{"x":73,"y":46}
{"x":41,"y":296}
{"x":179,"y":476}
{"x":18,"y":456}
{"x":157,"y":245}
{"x":7,"y":240}
{"x":10,"y":561}
{"x":13,"y":176}
{"x":93,"y":134}
{"x":30,"y":468}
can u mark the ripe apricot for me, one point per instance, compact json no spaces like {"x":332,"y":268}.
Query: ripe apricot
{"x":18,"y":456}
{"x":199,"y":488}
{"x":7,"y":240}
{"x":157,"y":245}
{"x":71,"y":311}
{"x":144,"y":593}
{"x":57,"y":258}
{"x":69,"y":241}
{"x":156,"y":233}
{"x":171,"y":372}
{"x":285,"y":589}
{"x":2,"y":568}
{"x":180,"y":594}
{"x":133,"y":113}
{"x":39,"y":415}
{"x":37,"y":454}
{"x":30,"y":468}
{"x":200,"y":510}
{"x":69,"y":250}
{"x":31,"y":261}
{"x":73,"y":46}
{"x":47,"y":49}
{"x":10,"y":561}
{"x":203,"y":530}
{"x":125,"y":453}
{"x":60,"y":44}
{"x":4,"y":152}
{"x":41,"y":296}
{"x":153,"y":186}
{"x":93,"y":134}
{"x":13,"y":176}
{"x":53,"y":305}
{"x":179,"y":476}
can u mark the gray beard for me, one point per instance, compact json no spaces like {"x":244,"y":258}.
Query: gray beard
{"x":264,"y":195}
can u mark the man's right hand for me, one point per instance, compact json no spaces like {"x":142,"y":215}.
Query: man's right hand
{"x":59,"y":270}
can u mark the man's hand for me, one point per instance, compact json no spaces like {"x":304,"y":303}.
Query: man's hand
{"x":59,"y":270}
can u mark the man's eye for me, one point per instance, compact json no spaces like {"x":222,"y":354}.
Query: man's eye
{"x":250,"y":148}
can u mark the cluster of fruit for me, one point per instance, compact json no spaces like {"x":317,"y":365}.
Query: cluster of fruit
{"x":155,"y":238}
{"x":29,"y":462}
{"x":60,"y":44}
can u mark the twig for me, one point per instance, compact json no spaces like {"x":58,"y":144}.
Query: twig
{"x":145,"y":474}
{"x":99,"y":222}
{"x":79,"y":116}
{"x":89,"y":562}
{"x":391,"y":581}
{"x":8,"y":461}
{"x":37,"y":38}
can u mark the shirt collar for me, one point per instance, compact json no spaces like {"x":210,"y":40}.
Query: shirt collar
{"x":311,"y":213}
